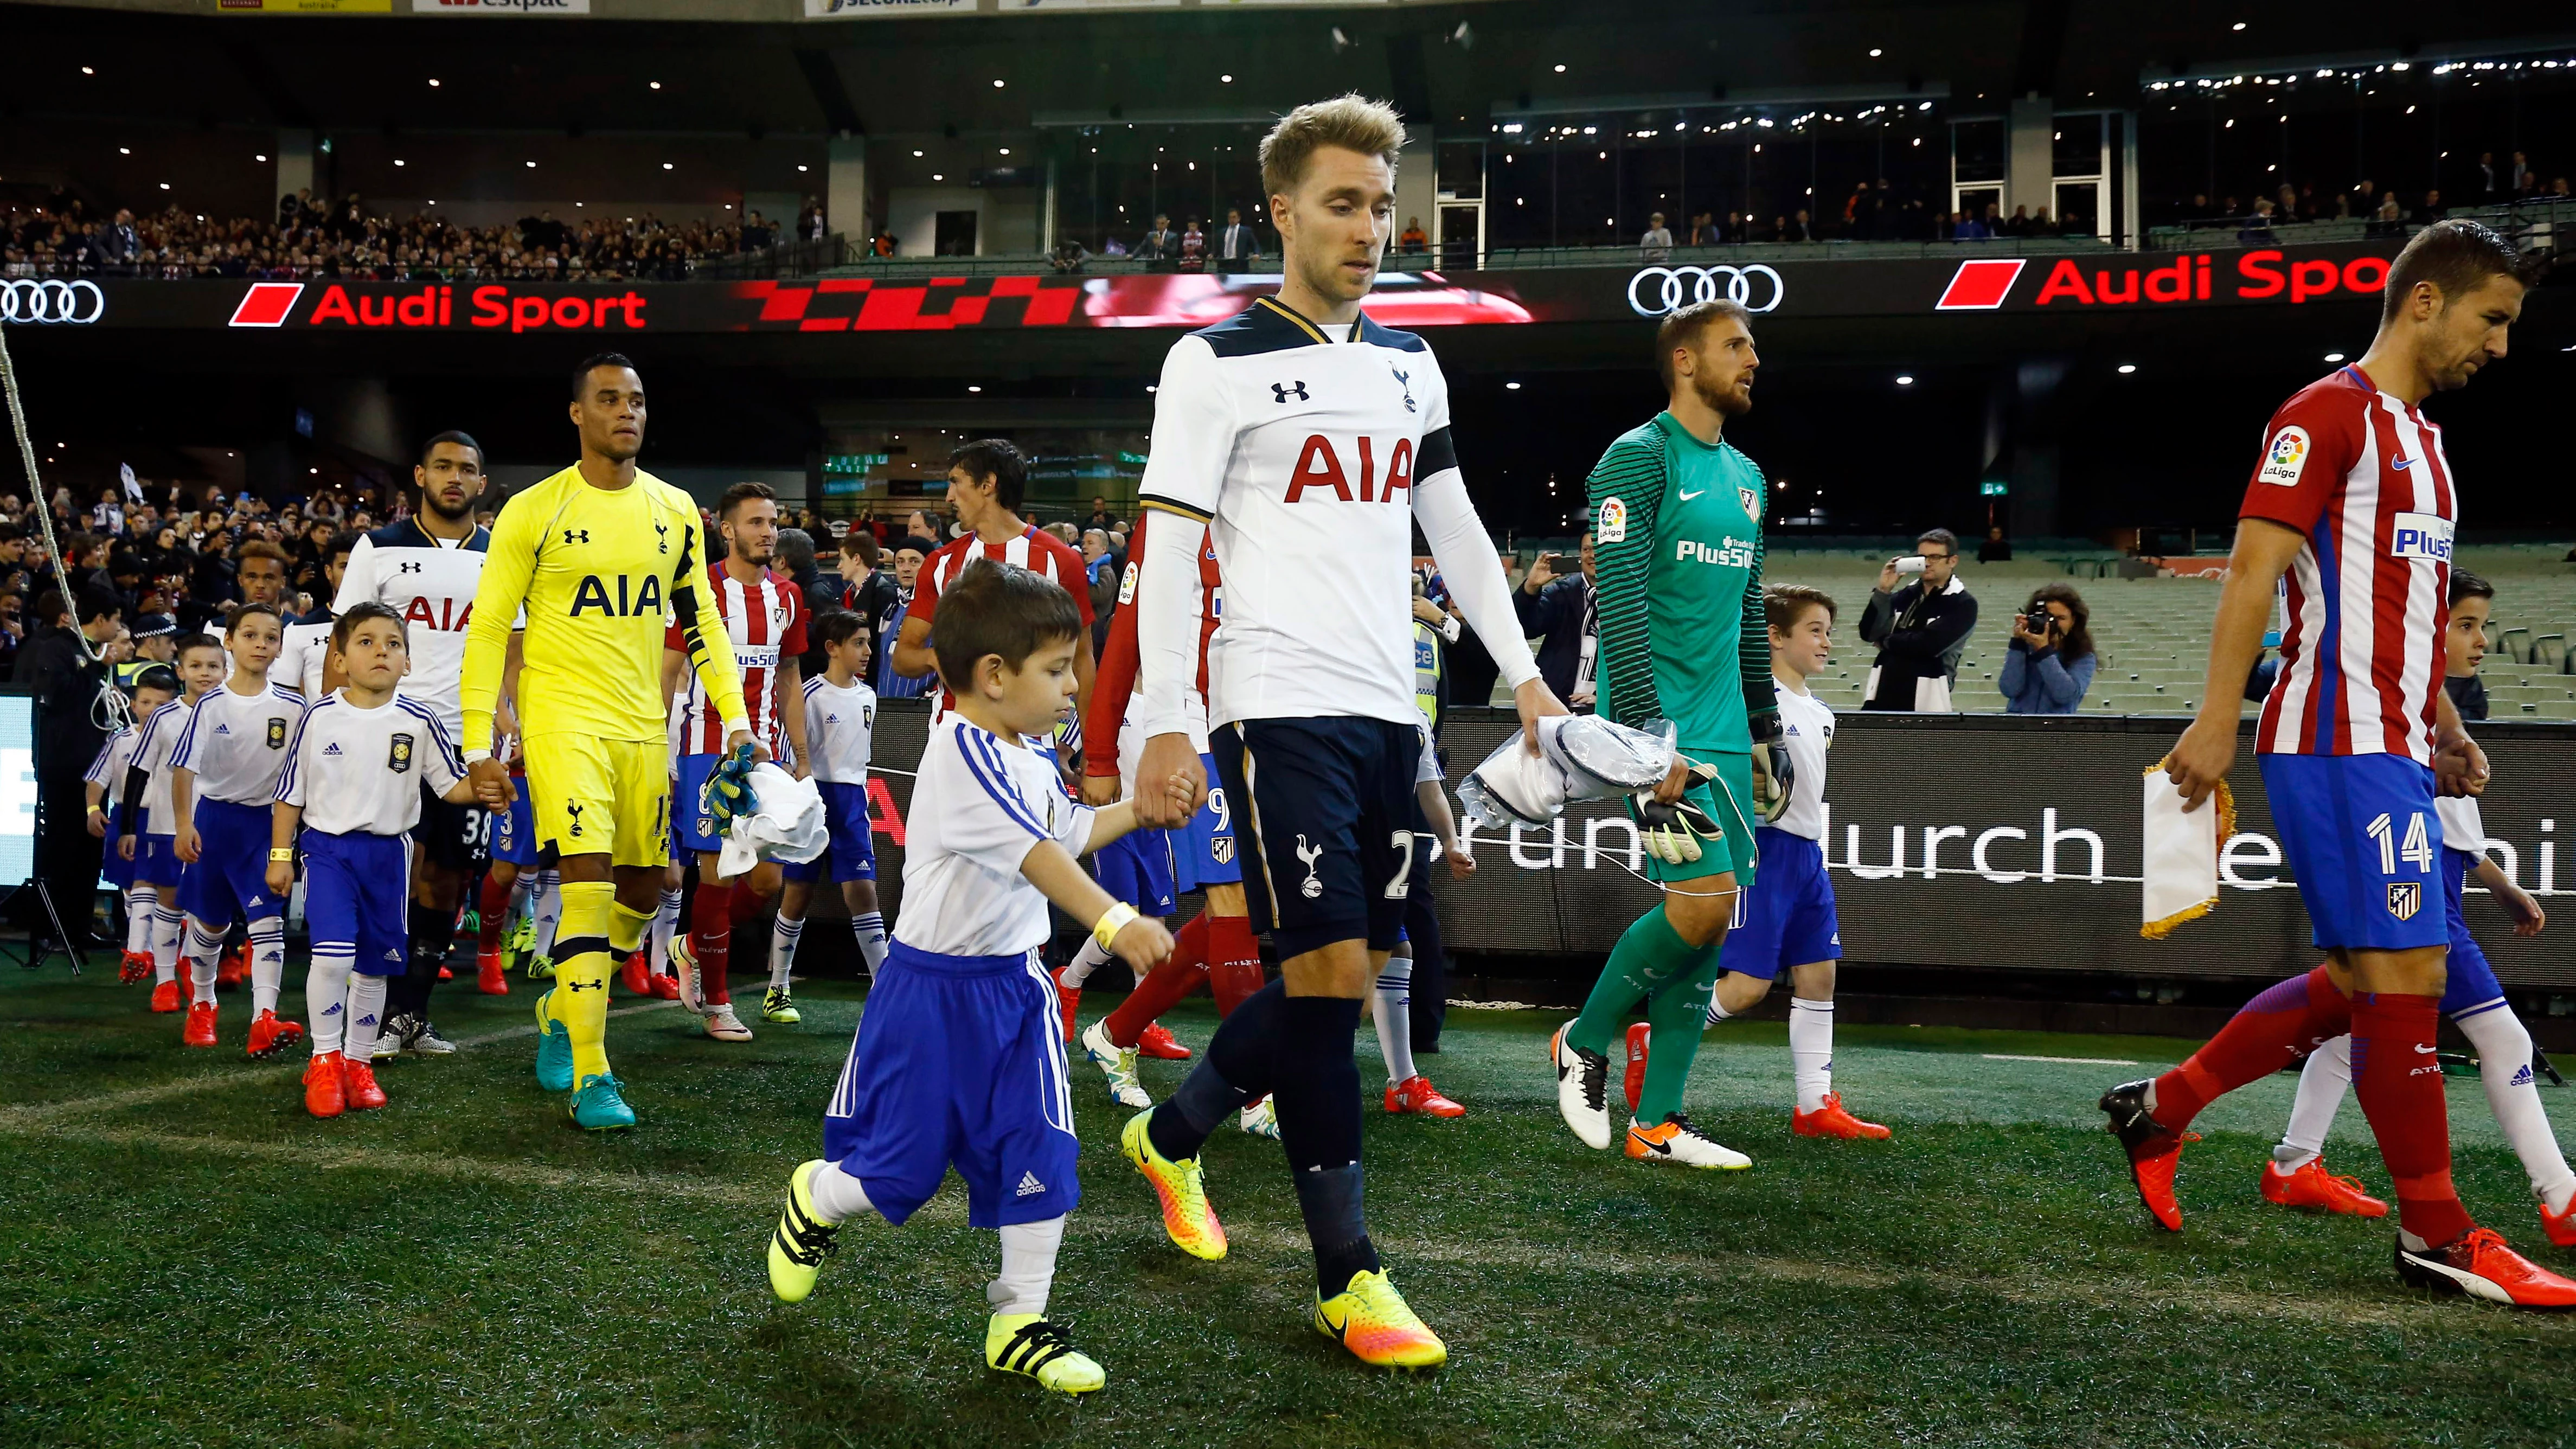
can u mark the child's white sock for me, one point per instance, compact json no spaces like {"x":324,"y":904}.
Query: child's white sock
{"x":838,"y":1197}
{"x":666,"y":916}
{"x":1395,"y":1014}
{"x":1811,"y":1050}
{"x":2504,"y":1066}
{"x":326,"y":994}
{"x":167,"y":926}
{"x":871,"y":931}
{"x":1085,"y":961}
{"x":142,"y":904}
{"x":783,"y":936}
{"x":203,"y":947}
{"x":2322,"y":1083}
{"x":547,"y":904}
{"x":267,"y":962}
{"x":366,"y":1014}
{"x":1028,"y":1267}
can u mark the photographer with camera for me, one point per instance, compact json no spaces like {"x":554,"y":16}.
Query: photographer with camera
{"x":1920,"y":628}
{"x":1559,"y":611}
{"x":2049,"y":664}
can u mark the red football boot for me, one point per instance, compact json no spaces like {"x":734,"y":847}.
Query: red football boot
{"x":1830,"y":1120}
{"x":1416,"y":1095}
{"x":2314,"y":1187}
{"x":1066,"y":999}
{"x":199,"y":1030}
{"x":1638,"y":1034}
{"x":446,"y":974}
{"x":323,"y":1093}
{"x":231,"y":967}
{"x":1157,"y":1041}
{"x":666,"y":987}
{"x":2152,"y":1150}
{"x":634,"y":977}
{"x":358,"y":1080}
{"x":166,"y":997}
{"x":269,"y":1036}
{"x":2481,"y":1266}
{"x":2561,"y":1227}
{"x":491,"y":973}
{"x":134,"y":967}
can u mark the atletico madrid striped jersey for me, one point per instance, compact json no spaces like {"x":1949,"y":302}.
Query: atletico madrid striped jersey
{"x":2362,"y":474}
{"x":764,"y":621}
{"x":1113,"y":689}
{"x":1035,"y":549}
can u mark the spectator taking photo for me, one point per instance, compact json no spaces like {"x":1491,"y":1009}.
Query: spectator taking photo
{"x":1920,"y":628}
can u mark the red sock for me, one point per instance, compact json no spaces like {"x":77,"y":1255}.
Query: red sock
{"x":1234,"y":962}
{"x":2399,"y":1082}
{"x":748,"y":904}
{"x":711,"y":939}
{"x":1164,"y":986}
{"x":2267,"y":1034}
{"x":496,"y":912}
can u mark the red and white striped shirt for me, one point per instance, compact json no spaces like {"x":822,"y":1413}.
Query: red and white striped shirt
{"x":765,"y":620}
{"x":2362,"y":474}
{"x":1035,"y":549}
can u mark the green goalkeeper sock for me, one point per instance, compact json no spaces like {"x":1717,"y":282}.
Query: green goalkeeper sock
{"x":1678,"y":1012}
{"x":1648,"y":955}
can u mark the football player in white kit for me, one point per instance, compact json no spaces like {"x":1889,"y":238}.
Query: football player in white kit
{"x":425,"y":568}
{"x":1310,"y":441}
{"x":305,"y":652}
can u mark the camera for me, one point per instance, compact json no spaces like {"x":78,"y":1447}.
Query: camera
{"x":1911,"y":564}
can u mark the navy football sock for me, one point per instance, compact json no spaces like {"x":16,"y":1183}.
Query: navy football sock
{"x":1236,"y":1069}
{"x":1317,"y":1089}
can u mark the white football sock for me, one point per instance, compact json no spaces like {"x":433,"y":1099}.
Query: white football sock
{"x":142,"y":904}
{"x":666,"y":918}
{"x":2504,"y":1067}
{"x":203,"y":947}
{"x":871,"y":931}
{"x":1395,"y":1014}
{"x":2322,"y":1083}
{"x":267,"y":962}
{"x":167,"y":925}
{"x":1028,"y":1267}
{"x":1811,"y":1050}
{"x":838,"y":1197}
{"x":326,"y":994}
{"x":1716,"y":1013}
{"x":783,"y":936}
{"x":366,"y":1014}
{"x":547,"y":905}
{"x":1088,"y":959}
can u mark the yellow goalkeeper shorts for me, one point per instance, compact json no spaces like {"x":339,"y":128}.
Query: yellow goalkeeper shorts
{"x":599,"y":796}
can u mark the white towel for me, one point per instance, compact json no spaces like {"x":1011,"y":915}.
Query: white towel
{"x":786,"y":823}
{"x":2180,"y":868}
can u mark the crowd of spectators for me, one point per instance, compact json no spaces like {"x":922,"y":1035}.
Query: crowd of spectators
{"x":2386,"y":211}
{"x":314,"y":237}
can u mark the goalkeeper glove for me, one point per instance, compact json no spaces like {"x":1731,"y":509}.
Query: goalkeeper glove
{"x":1672,"y":833}
{"x":727,"y":794}
{"x":1773,"y":776}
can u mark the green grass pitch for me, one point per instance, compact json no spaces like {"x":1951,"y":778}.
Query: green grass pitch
{"x":186,"y":1258}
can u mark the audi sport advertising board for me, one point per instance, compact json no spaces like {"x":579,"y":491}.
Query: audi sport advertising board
{"x":1782,"y":286}
{"x":1958,"y":840}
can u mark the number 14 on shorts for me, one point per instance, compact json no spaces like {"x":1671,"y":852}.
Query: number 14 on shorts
{"x":2416,"y":849}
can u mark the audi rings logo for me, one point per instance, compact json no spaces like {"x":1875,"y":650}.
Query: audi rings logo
{"x":1682,"y":286}
{"x":52,"y":301}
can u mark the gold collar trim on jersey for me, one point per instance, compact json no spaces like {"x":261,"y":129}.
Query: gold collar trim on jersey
{"x":1301,"y":321}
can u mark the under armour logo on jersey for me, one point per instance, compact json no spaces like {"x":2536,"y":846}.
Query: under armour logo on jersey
{"x":1029,"y":1185}
{"x":1310,"y":854}
{"x":1403,"y":380}
{"x":576,"y":535}
{"x":409,"y":568}
{"x":1279,"y":391}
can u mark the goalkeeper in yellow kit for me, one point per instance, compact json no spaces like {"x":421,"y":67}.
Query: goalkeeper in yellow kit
{"x":597,"y":555}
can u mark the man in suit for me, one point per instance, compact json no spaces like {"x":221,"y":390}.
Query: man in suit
{"x":1239,"y":246}
{"x":1160,"y":245}
{"x":1557,"y":609}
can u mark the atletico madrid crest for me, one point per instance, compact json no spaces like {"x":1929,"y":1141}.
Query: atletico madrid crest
{"x":2405,"y":898}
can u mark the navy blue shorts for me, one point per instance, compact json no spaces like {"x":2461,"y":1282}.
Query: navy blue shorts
{"x":2360,"y":836}
{"x":231,"y":874}
{"x":514,"y":831}
{"x":2471,"y":988}
{"x":1330,"y":804}
{"x":1787,"y":918}
{"x":357,"y":889}
{"x":852,"y":853}
{"x":959,"y":1062}
{"x":157,"y":862}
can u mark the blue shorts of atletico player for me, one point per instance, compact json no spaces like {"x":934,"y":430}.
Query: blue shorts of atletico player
{"x":2471,"y":988}
{"x":2361,"y":838}
{"x":1137,"y":868}
{"x":959,"y":1062}
{"x":1787,"y":919}
{"x":852,"y":853}
{"x":514,"y":831}
{"x":231,"y":873}
{"x":691,"y":826}
{"x":356,"y":893}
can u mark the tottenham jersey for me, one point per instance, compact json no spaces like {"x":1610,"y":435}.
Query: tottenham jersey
{"x":1809,"y":722}
{"x":765,"y":620}
{"x":302,"y":651}
{"x":430,"y":582}
{"x":979,"y":806}
{"x":235,"y":744}
{"x":355,"y":770}
{"x":1301,"y":453}
{"x":840,"y":729}
{"x":158,"y":736}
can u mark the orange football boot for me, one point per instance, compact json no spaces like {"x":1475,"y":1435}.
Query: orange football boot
{"x":1416,"y":1095}
{"x":2561,"y":1227}
{"x":634,"y":976}
{"x":2481,"y":1266}
{"x":491,"y":974}
{"x":1639,"y":1033}
{"x":1830,"y":1120}
{"x":269,"y":1035}
{"x":199,"y":1029}
{"x":323,"y":1093}
{"x":1066,"y":999}
{"x":166,"y":997}
{"x":1157,"y":1041}
{"x":134,"y":967}
{"x":2314,"y":1187}
{"x":2153,"y":1151}
{"x":359,"y":1082}
{"x":231,"y":967}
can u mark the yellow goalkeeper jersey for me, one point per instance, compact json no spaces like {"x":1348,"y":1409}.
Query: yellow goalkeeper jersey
{"x":603,"y":574}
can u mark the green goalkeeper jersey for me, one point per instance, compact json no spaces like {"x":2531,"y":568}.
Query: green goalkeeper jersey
{"x":1677,"y":538}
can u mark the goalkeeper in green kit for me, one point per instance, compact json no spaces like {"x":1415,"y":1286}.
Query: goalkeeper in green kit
{"x":1677,"y":530}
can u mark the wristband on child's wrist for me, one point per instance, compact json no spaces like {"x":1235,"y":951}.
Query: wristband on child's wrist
{"x":1112,"y":921}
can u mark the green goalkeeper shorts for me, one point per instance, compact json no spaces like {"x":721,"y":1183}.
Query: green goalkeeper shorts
{"x":1728,"y":799}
